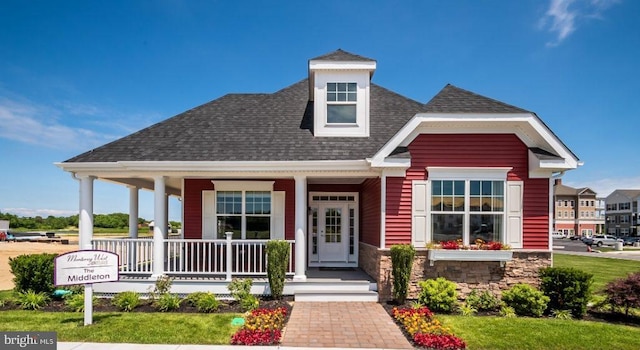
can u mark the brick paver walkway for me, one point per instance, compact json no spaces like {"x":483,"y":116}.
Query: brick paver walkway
{"x":342,"y":325}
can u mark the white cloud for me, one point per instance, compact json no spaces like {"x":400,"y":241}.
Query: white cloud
{"x":604,"y":187}
{"x":27,"y":212}
{"x":563,"y":16}
{"x":67,"y":126}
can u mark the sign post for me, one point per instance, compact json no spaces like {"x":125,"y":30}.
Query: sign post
{"x":86,"y":267}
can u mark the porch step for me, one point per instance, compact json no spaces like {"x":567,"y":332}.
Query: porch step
{"x":332,"y":285}
{"x":335,"y":295}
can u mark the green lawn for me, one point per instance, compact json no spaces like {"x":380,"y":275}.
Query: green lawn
{"x":603,"y":269}
{"x":496,"y":333}
{"x":118,"y":327}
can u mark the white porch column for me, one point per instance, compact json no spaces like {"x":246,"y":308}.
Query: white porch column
{"x":159,"y":227}
{"x":133,"y":212}
{"x":86,"y":213}
{"x":301,"y":228}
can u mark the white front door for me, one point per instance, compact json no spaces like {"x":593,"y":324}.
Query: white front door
{"x":333,"y":228}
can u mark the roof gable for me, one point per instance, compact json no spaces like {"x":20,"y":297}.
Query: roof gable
{"x":341,"y":55}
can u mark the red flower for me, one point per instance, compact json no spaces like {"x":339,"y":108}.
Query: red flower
{"x":439,"y":341}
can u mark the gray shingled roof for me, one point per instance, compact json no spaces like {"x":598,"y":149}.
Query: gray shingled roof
{"x":278,"y":127}
{"x":257,"y":127}
{"x":341,"y":55}
{"x":453,"y":99}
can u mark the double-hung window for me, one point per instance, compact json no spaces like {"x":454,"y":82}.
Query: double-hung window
{"x":341,"y":103}
{"x":245,"y":213}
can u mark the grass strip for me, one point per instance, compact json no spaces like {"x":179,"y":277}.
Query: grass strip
{"x":117,"y":327}
{"x":604,"y":270}
{"x":497,"y":333}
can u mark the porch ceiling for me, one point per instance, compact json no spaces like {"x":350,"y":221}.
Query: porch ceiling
{"x":173,"y":184}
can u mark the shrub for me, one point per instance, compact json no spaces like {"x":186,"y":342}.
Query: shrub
{"x":207,"y":303}
{"x":75,"y":302}
{"x":240,"y":290}
{"x":167,"y":302}
{"x":561,"y":314}
{"x":467,"y":310}
{"x":161,"y":287}
{"x":31,"y":300}
{"x":33,"y":272}
{"x":567,"y":289}
{"x":401,"y":263}
{"x":525,"y":300}
{"x":624,"y":293}
{"x":485,"y":301}
{"x":192,"y":299}
{"x":126,"y":301}
{"x":438,"y":294}
{"x":277,"y":261}
{"x":507,"y":311}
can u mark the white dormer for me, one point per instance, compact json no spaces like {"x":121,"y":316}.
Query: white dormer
{"x":339,"y":85}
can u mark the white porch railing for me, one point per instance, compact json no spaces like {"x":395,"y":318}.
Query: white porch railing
{"x":194,"y":256}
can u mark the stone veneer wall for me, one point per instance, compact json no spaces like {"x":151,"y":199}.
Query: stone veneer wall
{"x":468,"y":275}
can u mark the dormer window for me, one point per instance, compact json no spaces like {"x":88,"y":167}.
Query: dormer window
{"x":341,"y":103}
{"x":339,"y":86}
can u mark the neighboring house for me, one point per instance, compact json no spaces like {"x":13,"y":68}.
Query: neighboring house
{"x":622,"y":213}
{"x":576,"y":210}
{"x":342,"y":169}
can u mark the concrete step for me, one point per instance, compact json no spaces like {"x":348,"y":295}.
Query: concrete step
{"x":310,"y":285}
{"x":335,"y":295}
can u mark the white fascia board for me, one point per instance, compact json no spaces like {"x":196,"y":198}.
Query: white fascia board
{"x":422,"y":121}
{"x":341,"y":65}
{"x":322,"y":166}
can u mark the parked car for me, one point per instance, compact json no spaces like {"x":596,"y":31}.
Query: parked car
{"x":600,"y":240}
{"x":575,"y":237}
{"x":558,"y":235}
{"x":630,"y":240}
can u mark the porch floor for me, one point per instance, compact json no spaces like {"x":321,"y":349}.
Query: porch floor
{"x":342,"y":325}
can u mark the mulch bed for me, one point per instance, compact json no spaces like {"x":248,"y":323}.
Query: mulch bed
{"x":104,"y":305}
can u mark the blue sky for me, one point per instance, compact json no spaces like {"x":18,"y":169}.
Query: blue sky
{"x":77,"y":74}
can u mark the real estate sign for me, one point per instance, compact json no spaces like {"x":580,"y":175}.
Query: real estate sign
{"x":85,"y":267}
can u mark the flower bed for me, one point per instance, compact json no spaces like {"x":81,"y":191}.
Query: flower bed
{"x":425,"y":330}
{"x":261,"y":327}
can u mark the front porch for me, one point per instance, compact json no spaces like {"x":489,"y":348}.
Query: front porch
{"x":209,"y":265}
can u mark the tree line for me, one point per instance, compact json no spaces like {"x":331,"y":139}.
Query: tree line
{"x":115,"y":220}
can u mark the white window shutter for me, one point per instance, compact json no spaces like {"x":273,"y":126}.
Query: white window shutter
{"x":208,"y":215}
{"x":277,"y":216}
{"x":514,"y":213}
{"x":419,"y":214}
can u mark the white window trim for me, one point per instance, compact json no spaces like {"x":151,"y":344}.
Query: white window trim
{"x":276,"y":216}
{"x":466,"y":174}
{"x":321,"y":126}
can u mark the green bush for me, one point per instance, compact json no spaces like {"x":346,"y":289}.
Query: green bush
{"x":525,"y":300}
{"x":33,"y":272}
{"x":126,"y":301}
{"x":31,"y":300}
{"x":192,"y":299}
{"x":167,"y":302}
{"x":75,"y":302}
{"x":161,"y":287}
{"x":438,"y":294}
{"x":485,"y":301}
{"x":277,"y":261}
{"x":567,"y":288}
{"x":207,"y":303}
{"x":401,"y":263}
{"x":240,"y":290}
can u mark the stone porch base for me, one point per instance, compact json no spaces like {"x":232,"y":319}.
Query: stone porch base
{"x":468,"y":275}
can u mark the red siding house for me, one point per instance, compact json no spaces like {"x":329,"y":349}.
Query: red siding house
{"x":342,"y":169}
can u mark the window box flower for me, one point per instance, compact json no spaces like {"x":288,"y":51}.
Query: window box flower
{"x":481,"y":251}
